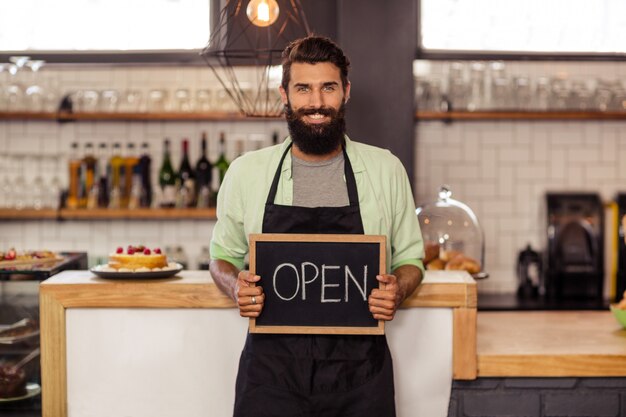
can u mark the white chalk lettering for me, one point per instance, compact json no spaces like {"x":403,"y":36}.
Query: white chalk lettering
{"x":363,"y":289}
{"x":304,"y":280}
{"x":278,"y":268}
{"x":324,"y":285}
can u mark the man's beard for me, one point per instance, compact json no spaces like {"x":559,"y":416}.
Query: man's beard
{"x":316,"y":139}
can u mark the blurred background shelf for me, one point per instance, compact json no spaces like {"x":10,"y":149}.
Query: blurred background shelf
{"x":424,"y":115}
{"x":67,"y":117}
{"x":109,"y":214}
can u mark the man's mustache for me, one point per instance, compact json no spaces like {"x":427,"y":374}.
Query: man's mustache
{"x":324,"y":111}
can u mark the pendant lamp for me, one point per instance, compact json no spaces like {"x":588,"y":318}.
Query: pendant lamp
{"x":244,"y":51}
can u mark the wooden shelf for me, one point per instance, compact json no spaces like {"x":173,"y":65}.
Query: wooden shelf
{"x":68,"y":117}
{"x":109,"y":214}
{"x":519,"y":115}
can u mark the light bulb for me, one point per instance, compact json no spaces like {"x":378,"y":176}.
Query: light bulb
{"x":262,"y":13}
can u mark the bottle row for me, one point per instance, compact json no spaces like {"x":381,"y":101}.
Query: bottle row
{"x":122,"y":179}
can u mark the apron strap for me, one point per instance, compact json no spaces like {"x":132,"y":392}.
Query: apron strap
{"x":271,"y":196}
{"x":353,"y":195}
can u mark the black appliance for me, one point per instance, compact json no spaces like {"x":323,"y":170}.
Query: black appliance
{"x":621,"y":247}
{"x":529,"y":273}
{"x":575,"y":252}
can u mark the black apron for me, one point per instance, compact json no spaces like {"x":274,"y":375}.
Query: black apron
{"x":314,"y":375}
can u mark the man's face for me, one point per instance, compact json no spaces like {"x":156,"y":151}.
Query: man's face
{"x":315,"y":107}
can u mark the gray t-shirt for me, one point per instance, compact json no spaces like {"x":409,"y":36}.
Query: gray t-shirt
{"x":319,"y":184}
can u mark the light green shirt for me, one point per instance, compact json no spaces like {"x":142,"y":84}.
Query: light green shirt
{"x":385,"y":199}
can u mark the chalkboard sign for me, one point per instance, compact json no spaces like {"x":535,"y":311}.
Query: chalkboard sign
{"x":317,"y":284}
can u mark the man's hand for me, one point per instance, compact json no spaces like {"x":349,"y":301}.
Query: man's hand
{"x":249,"y":298}
{"x":384,"y":302}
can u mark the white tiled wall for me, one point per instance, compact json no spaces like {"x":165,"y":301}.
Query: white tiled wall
{"x":42,"y":147}
{"x":502,"y":170}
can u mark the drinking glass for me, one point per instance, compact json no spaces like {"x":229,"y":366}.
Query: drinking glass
{"x":131,"y":101}
{"x":522,"y":94}
{"x":90,"y":101}
{"x":457,"y":88}
{"x":203,"y":100}
{"x":157,"y":100}
{"x":182,"y":101}
{"x":34,"y":91}
{"x":109,"y":101}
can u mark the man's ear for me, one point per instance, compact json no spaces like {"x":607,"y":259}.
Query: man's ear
{"x":347,"y":93}
{"x":283,"y":95}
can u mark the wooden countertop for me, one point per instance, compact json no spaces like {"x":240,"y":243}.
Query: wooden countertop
{"x":550,"y":344}
{"x":196,"y":289}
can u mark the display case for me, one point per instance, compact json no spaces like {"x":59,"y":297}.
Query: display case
{"x":20,"y":370}
{"x":453,"y":237}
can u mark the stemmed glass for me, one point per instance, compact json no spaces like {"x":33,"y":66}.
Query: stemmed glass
{"x":34,"y":91}
{"x":15,"y":90}
{"x":19,"y":185}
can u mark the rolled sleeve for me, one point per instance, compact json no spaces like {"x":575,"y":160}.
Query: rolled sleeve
{"x":229,"y":242}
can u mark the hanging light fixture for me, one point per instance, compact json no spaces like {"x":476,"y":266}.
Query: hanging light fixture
{"x":245,"y":48}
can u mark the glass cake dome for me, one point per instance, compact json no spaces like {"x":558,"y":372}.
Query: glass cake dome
{"x":453,"y":237}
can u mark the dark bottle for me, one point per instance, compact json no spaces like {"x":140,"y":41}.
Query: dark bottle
{"x":103,"y":174}
{"x":145,"y":162}
{"x":222,"y":163}
{"x":167,"y":179}
{"x":204,"y":175}
{"x":130,"y":161}
{"x":187,"y":178}
{"x":88,"y":175}
{"x":75,"y":176}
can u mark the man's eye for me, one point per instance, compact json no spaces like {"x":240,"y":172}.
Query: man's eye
{"x":302,"y":89}
{"x":329,"y":88}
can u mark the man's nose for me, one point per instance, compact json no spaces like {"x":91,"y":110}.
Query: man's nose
{"x":315,"y":99}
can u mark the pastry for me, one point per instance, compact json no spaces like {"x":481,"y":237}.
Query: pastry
{"x":136,"y":258}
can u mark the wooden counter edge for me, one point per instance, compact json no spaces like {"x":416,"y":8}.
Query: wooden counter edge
{"x":537,"y":365}
{"x":53,"y":356}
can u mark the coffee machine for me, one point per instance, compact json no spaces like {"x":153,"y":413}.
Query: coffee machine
{"x":575,"y":253}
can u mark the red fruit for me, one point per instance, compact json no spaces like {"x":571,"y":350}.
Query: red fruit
{"x":157,"y":250}
{"x":131,"y":250}
{"x":146,"y":251}
{"x":119,"y":250}
{"x":10,"y":255}
{"x":140,"y":248}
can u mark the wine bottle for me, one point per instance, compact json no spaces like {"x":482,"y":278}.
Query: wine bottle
{"x":130,"y":161}
{"x":204,"y":175}
{"x":115,"y":169}
{"x":74,"y":171}
{"x":103,"y":173}
{"x":88,"y":175}
{"x":167,"y":179}
{"x":187,"y":177}
{"x":145,"y":162}
{"x":222,"y":163}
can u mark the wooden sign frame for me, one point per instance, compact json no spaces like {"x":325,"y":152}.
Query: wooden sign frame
{"x":319,"y":238}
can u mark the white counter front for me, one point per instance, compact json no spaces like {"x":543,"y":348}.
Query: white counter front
{"x":167,"y":348}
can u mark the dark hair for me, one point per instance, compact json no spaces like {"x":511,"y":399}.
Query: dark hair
{"x":311,"y":50}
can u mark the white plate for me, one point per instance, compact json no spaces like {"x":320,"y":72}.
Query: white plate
{"x":137,"y":275}
{"x":32,"y":389}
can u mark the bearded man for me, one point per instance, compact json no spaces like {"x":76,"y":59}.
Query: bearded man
{"x":316,"y":181}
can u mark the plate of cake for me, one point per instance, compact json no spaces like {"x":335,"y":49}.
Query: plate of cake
{"x":137,"y":262}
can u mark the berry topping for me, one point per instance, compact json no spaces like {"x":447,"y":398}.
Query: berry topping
{"x":146,"y":251}
{"x":157,"y":250}
{"x":119,"y":250}
{"x":131,"y":250}
{"x":140,"y":248}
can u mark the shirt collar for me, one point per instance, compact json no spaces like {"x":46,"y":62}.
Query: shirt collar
{"x":353,"y":154}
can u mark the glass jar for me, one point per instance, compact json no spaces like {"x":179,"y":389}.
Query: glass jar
{"x":453,"y":238}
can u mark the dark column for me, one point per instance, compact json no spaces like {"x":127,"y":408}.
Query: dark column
{"x":380,"y":38}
